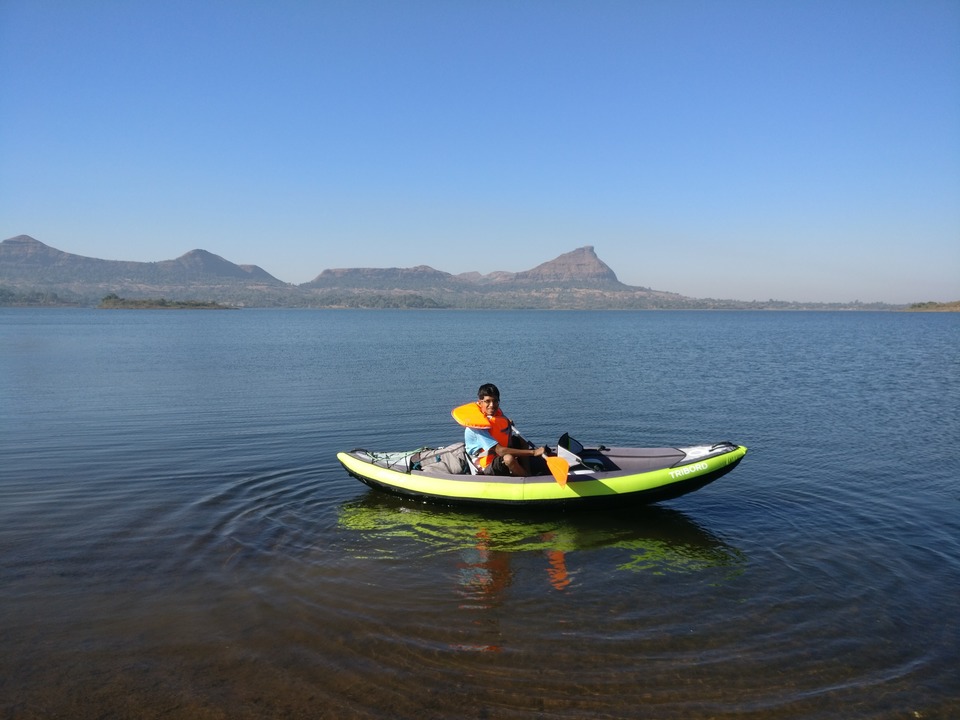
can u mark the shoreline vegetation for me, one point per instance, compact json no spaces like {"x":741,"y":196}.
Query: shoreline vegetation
{"x":114,"y":302}
{"x":935,"y":307}
{"x":380,"y":300}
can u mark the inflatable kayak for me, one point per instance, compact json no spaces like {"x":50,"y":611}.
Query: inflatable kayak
{"x":595,"y":475}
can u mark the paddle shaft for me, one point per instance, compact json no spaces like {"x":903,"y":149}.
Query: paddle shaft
{"x":557,"y":466}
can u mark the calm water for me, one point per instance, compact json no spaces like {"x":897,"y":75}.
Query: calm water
{"x":177,"y":539}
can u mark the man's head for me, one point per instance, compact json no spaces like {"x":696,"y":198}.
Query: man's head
{"x":488,"y":390}
{"x":488,"y":398}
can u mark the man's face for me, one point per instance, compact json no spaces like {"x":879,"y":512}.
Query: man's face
{"x":488,"y":404}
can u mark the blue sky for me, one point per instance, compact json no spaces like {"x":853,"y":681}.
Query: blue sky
{"x":745,"y":149}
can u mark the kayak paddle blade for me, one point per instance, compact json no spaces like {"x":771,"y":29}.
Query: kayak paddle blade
{"x":559,"y":468}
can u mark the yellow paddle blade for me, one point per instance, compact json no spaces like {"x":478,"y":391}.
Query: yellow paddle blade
{"x":558,"y":468}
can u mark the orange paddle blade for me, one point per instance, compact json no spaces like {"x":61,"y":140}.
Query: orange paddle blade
{"x":558,"y":468}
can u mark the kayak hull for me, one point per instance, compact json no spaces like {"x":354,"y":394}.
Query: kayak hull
{"x":607,"y":476}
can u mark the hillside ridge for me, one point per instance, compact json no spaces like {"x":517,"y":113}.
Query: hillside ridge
{"x":32,"y":272}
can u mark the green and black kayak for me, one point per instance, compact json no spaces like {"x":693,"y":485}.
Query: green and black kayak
{"x":595,"y":476}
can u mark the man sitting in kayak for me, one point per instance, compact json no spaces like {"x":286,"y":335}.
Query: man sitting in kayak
{"x":493,"y":445}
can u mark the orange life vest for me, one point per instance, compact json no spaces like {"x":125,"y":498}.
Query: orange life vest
{"x":471,"y":416}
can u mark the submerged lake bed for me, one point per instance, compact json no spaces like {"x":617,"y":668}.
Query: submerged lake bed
{"x":177,"y":538}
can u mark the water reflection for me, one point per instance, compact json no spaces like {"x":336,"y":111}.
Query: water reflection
{"x":660,"y":540}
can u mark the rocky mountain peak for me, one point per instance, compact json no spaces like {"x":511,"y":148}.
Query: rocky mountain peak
{"x":23,"y":241}
{"x":581,"y":264}
{"x":206,"y":263}
{"x":24,"y":250}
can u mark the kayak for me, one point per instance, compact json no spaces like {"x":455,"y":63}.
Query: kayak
{"x":596,"y":476}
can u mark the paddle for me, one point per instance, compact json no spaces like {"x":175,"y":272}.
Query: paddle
{"x":558,"y":467}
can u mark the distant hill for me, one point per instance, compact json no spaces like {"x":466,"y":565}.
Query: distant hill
{"x":32,"y":273}
{"x":577,"y":279}
{"x":580,"y":268}
{"x":24,"y":257}
{"x":419,"y":277}
{"x":28,"y":264}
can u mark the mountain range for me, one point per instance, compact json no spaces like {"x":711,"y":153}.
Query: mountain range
{"x":34,"y":273}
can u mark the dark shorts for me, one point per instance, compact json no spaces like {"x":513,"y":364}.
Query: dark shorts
{"x":497,"y":467}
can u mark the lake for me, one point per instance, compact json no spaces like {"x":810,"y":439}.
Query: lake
{"x":177,"y":539}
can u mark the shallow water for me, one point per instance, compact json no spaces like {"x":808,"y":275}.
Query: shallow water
{"x":178,"y":540}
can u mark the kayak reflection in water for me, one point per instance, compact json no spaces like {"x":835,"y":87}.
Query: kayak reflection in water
{"x":493,"y":445}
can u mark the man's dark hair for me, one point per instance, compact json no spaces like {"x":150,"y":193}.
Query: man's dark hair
{"x":488,"y":389}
